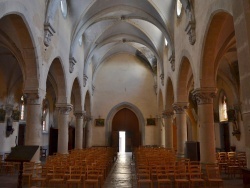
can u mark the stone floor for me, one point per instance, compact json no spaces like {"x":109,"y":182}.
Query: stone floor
{"x":122,"y":175}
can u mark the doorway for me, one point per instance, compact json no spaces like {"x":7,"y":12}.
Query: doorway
{"x":125,"y":120}
{"x":224,"y":135}
{"x":122,"y":141}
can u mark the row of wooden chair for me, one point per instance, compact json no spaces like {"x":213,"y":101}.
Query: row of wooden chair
{"x":161,"y":166}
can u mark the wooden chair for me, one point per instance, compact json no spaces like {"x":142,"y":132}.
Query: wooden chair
{"x":213,"y":175}
{"x":57,"y":176}
{"x":163,"y":177}
{"x":40,"y":176}
{"x":92,"y":176}
{"x":75,"y":173}
{"x":195,"y":176}
{"x":181,"y":176}
{"x":143,"y":176}
{"x":28,"y":169}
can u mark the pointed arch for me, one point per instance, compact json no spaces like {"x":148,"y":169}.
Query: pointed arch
{"x":114,"y":110}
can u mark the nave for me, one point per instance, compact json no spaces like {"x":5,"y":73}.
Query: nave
{"x":121,"y":175}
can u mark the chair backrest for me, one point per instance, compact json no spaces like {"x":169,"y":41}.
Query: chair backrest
{"x":213,"y":172}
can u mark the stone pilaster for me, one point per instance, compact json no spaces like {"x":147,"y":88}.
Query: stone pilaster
{"x":63,"y":131}
{"x":79,"y":130}
{"x":181,"y":122}
{"x":168,"y":121}
{"x":204,"y":98}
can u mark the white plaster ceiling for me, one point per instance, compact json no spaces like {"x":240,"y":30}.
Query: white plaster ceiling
{"x":108,"y":27}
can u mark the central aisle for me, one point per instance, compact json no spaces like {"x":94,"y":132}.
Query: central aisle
{"x":122,"y":174}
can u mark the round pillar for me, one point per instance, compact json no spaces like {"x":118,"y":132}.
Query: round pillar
{"x":79,"y":130}
{"x":204,"y":98}
{"x":33,"y":131}
{"x":181,"y":122}
{"x":63,"y":128}
{"x":168,"y":121}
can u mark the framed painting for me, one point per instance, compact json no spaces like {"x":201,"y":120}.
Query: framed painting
{"x":99,"y":122}
{"x":150,"y":121}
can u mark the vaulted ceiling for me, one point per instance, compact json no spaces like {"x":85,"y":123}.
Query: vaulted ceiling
{"x":109,"y":27}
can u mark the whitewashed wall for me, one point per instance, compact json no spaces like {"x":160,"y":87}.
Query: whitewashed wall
{"x":131,"y":82}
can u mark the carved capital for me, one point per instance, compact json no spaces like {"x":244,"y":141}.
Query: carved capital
{"x":48,"y":33}
{"x":180,"y":107}
{"x":87,"y":117}
{"x":162,"y":79}
{"x":64,"y":108}
{"x":72,"y":63}
{"x":172,"y":62}
{"x":204,"y":95}
{"x":167,"y":114}
{"x":85,"y":78}
{"x":33,"y":98}
{"x":79,"y":115}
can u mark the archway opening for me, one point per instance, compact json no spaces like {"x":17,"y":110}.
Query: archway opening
{"x":127,"y":121}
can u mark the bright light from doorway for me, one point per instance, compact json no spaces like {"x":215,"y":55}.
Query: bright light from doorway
{"x":122,"y":141}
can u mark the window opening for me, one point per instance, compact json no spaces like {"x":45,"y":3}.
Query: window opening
{"x":223,"y":108}
{"x":122,"y":141}
{"x":22,"y":108}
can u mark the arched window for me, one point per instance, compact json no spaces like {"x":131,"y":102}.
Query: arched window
{"x":223,"y":108}
{"x":45,"y":116}
{"x":22,"y":109}
{"x":178,"y":8}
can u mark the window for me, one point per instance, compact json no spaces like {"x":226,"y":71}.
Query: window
{"x":22,"y":108}
{"x":45,"y":116}
{"x":223,"y":108}
{"x":64,"y":8}
{"x":178,"y":8}
{"x":166,"y":42}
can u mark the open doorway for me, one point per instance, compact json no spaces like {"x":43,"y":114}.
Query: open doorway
{"x":122,"y":141}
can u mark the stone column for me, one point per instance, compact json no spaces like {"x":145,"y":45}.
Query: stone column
{"x":161,"y":131}
{"x":63,"y":127}
{"x":168,"y":121}
{"x":241,"y":16}
{"x":33,"y":131}
{"x":79,"y":130}
{"x":88,"y":130}
{"x":181,"y":122}
{"x":204,"y":98}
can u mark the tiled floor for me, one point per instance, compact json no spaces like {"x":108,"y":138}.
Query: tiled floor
{"x":122,"y":175}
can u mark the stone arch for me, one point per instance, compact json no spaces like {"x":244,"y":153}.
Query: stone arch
{"x":57,"y":74}
{"x":169,"y":95}
{"x":118,"y":107}
{"x":185,"y":77}
{"x":76,"y":95}
{"x":212,"y":46}
{"x":15,"y":35}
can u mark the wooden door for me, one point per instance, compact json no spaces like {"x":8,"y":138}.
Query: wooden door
{"x":115,"y":140}
{"x":71,"y":143}
{"x":126,"y":120}
{"x":225,"y":140}
{"x":21,"y":134}
{"x":53,"y":139}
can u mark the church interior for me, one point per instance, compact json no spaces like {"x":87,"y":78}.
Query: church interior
{"x":165,"y":80}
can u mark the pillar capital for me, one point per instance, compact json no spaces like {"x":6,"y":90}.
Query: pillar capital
{"x":64,"y":108}
{"x":204,"y":95}
{"x":180,"y":107}
{"x":167,"y":114}
{"x":79,"y":114}
{"x":34,"y":96}
{"x":87,"y":117}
